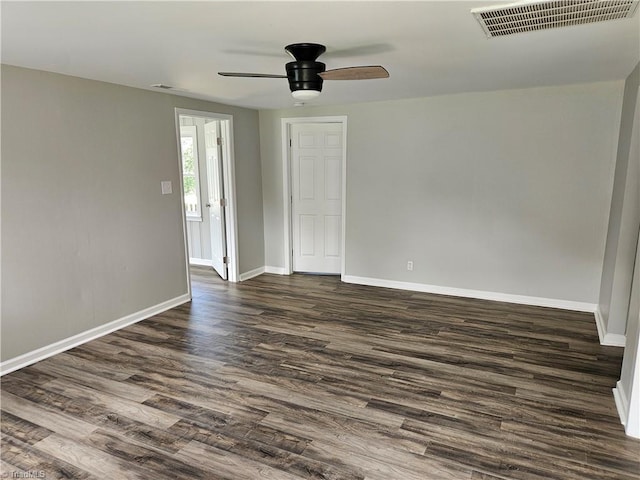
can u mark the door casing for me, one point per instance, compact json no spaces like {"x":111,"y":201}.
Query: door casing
{"x":286,"y":185}
{"x":228,"y":161}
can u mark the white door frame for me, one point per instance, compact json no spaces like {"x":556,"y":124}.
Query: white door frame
{"x":286,"y":185}
{"x":229,"y":180}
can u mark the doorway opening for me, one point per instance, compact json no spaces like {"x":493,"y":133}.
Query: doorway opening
{"x":205,"y":154}
{"x":314,"y":166}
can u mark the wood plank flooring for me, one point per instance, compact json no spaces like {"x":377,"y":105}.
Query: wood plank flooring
{"x":304,"y":377}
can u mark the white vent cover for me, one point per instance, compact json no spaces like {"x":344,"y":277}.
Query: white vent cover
{"x":529,"y":16}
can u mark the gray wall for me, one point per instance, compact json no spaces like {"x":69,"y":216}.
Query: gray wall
{"x":87,"y":238}
{"x":503,"y":191}
{"x":624,"y":220}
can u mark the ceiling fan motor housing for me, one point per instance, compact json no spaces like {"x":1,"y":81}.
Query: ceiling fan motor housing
{"x":303,"y":75}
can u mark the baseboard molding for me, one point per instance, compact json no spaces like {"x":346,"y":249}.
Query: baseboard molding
{"x":619,"y":395}
{"x":251,"y":273}
{"x":275,"y":270}
{"x":203,"y":262}
{"x":479,"y":294}
{"x":607,"y":339}
{"x":34,"y":356}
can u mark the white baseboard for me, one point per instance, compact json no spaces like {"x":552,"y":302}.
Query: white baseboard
{"x":275,"y":270}
{"x":260,"y":270}
{"x":479,"y":294}
{"x":251,"y":273}
{"x":203,"y":262}
{"x":621,"y":402}
{"x":608,"y":339}
{"x":34,"y":356}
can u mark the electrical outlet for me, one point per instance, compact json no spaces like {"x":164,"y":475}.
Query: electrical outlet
{"x":409,"y":265}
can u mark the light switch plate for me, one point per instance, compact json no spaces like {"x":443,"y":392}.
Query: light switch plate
{"x":166,"y":187}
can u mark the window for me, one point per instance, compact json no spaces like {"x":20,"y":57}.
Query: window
{"x":190,"y":176}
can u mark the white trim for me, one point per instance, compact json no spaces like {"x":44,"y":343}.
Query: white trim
{"x":251,"y":273}
{"x":607,"y":339}
{"x":621,"y":402}
{"x":343,"y":261}
{"x":34,"y":356}
{"x":185,"y":234}
{"x":632,"y":427}
{"x":190,"y":131}
{"x":275,"y":270}
{"x":260,"y":270}
{"x":600,"y":324}
{"x":286,"y":183}
{"x":228,"y":158}
{"x":202,"y":262}
{"x":286,"y":194}
{"x":479,"y":294}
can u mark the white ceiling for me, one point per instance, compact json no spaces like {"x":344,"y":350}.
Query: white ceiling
{"x":429,"y":47}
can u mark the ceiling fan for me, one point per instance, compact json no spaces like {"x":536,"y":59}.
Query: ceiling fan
{"x":306,"y":74}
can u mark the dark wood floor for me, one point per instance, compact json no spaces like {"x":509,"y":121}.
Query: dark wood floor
{"x":306,"y":377}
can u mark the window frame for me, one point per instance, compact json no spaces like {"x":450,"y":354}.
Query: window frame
{"x":191,"y":131}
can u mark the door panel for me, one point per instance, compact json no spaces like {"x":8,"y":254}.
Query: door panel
{"x":307,"y":178}
{"x":307,"y":235}
{"x":215,"y":197}
{"x":333,"y":178}
{"x":332,"y":235}
{"x":316,"y":166}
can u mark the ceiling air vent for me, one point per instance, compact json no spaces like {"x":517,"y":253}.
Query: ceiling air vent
{"x":529,"y":16}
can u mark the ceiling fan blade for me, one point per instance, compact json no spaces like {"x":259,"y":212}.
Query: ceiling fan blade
{"x":359,"y":51}
{"x":250,"y":75}
{"x":355,"y":73}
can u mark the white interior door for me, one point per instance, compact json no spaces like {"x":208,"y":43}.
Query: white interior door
{"x":316,"y":184}
{"x":216,"y":199}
